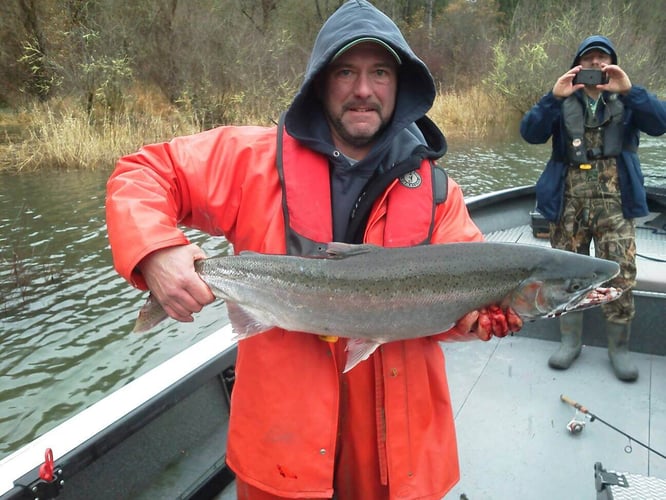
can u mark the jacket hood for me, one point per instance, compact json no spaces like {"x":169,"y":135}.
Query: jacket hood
{"x":305,"y":119}
{"x":595,"y":41}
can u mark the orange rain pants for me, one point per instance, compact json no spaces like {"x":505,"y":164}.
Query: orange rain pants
{"x":357,"y":470}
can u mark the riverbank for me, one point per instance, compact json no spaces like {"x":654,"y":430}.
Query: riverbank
{"x":61,"y":134}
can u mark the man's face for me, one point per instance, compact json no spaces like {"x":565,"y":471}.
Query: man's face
{"x":594,"y":59}
{"x":359,"y":94}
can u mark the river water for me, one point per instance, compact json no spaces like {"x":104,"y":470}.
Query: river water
{"x":66,"y":316}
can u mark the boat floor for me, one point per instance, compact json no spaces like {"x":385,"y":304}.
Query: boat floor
{"x":511,"y":425}
{"x":512,"y":431}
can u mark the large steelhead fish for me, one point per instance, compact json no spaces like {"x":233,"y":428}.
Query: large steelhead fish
{"x":376,"y":295}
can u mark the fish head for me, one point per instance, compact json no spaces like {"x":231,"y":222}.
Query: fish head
{"x":567,"y":282}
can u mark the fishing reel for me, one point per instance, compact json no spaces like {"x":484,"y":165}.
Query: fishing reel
{"x":576,"y":426}
{"x":577,"y":423}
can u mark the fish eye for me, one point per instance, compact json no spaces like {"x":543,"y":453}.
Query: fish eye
{"x":574,"y":286}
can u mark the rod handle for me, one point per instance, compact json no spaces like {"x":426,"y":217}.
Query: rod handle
{"x":571,"y":402}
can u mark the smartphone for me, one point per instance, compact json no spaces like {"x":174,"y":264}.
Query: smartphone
{"x":590,"y":77}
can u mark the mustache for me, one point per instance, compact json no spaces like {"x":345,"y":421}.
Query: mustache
{"x":371,"y":106}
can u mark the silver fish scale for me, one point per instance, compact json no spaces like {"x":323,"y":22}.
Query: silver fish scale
{"x":379,"y":293}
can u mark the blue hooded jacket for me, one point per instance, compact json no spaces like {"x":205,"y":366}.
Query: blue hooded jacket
{"x":643,"y":112}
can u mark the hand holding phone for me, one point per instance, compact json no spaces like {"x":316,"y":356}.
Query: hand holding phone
{"x":590,"y":77}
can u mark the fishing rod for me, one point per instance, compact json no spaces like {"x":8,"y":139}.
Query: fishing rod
{"x":576,"y":427}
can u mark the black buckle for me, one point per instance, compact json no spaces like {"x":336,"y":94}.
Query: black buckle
{"x":595,"y":153}
{"x":603,"y":478}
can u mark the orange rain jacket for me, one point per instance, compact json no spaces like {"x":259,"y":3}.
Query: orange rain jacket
{"x":289,"y":403}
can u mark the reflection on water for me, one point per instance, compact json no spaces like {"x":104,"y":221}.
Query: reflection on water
{"x":66,"y":316}
{"x":480,"y":169}
{"x":483,"y":168}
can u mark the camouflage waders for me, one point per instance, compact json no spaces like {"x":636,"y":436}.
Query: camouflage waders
{"x":593,"y":212}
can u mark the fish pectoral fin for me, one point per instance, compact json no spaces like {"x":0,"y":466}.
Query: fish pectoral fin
{"x":358,"y":350}
{"x":243,"y":324}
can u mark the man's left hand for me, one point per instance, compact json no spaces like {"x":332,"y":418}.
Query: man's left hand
{"x":488,"y":322}
{"x":618,"y":81}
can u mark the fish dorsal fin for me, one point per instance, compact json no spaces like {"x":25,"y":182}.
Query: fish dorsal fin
{"x":338,"y":250}
{"x":243,"y":324}
{"x":358,"y":350}
{"x":248,"y":253}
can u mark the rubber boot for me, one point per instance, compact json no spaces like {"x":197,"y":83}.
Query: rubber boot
{"x":618,"y":351}
{"x":571,"y":329}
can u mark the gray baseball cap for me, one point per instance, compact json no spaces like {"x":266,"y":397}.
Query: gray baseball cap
{"x":372,"y":39}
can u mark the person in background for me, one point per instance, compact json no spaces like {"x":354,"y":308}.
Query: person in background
{"x":352,"y":160}
{"x":592,"y":186}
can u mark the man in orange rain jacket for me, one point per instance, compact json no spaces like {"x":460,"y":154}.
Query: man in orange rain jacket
{"x":353,"y":160}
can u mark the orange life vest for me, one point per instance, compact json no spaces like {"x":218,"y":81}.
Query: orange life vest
{"x":284,"y":421}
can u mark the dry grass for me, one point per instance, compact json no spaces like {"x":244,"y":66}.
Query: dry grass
{"x":61,"y":134}
{"x":474,"y":113}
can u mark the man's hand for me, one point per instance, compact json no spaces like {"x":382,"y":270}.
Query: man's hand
{"x":618,"y":81}
{"x":486,"y":323}
{"x":170,"y":276}
{"x":564,"y":86}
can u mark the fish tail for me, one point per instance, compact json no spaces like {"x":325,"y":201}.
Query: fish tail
{"x":151,"y":314}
